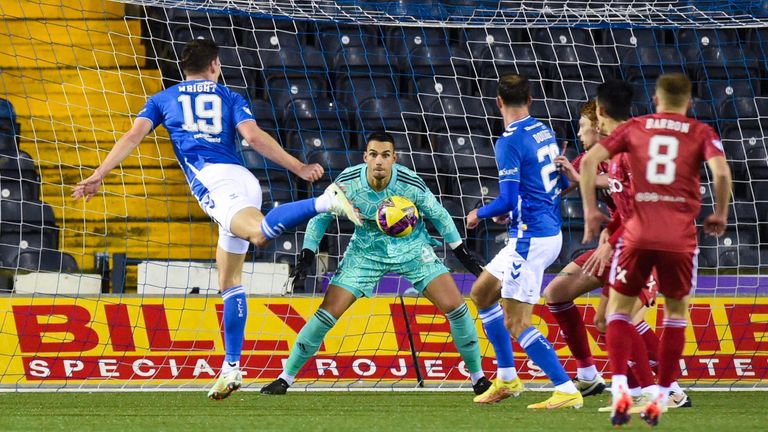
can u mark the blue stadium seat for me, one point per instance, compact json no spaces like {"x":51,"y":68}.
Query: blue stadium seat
{"x":281,"y":91}
{"x":647,"y":63}
{"x":431,"y":60}
{"x":334,"y":161}
{"x":478,"y":40}
{"x":693,"y":41}
{"x":757,"y":162}
{"x":401,"y":40}
{"x":577,"y":91}
{"x":238,"y":70}
{"x":577,"y":63}
{"x":725,"y":63}
{"x":45,"y":260}
{"x":743,"y":113}
{"x":275,"y":192}
{"x":502,"y":59}
{"x":365,"y":61}
{"x":457,"y":212}
{"x":261,"y":167}
{"x":629,"y":39}
{"x":334,"y":39}
{"x":266,"y":116}
{"x":737,"y":247}
{"x":488,"y":92}
{"x":719,"y":90}
{"x":572,"y":246}
{"x":457,"y":114}
{"x":425,"y":165}
{"x":315,"y":124}
{"x":401,"y":117}
{"x":17,"y":188}
{"x":266,"y":37}
{"x":14,"y":242}
{"x":15,"y":160}
{"x":475,"y":192}
{"x":572,"y":211}
{"x":556,"y":114}
{"x":759,"y":189}
{"x":491,"y":238}
{"x":703,"y":111}
{"x":353,"y":90}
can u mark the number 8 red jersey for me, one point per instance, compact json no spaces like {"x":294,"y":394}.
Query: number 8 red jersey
{"x":665,"y":155}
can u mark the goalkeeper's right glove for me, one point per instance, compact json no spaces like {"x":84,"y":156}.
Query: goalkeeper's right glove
{"x":299,"y":272}
{"x":469,"y":262}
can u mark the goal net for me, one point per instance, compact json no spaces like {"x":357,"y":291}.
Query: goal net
{"x":121,"y":292}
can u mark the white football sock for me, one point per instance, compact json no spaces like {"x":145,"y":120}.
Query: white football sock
{"x":227,"y":367}
{"x":588,"y":373}
{"x":322,"y":203}
{"x":288,"y":378}
{"x":507,"y":374}
{"x":475,"y":376}
{"x":567,"y":387}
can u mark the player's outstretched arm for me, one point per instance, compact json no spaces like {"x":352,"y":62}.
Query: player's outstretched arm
{"x":715,"y":223}
{"x":592,"y":215}
{"x":123,"y":147}
{"x":263,"y":143}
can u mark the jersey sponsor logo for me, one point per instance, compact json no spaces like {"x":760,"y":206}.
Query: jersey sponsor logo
{"x":508,"y":171}
{"x":656,"y":197}
{"x":615,"y":186}
{"x":621,"y":274}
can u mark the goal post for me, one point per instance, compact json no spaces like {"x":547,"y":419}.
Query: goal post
{"x":121,"y":292}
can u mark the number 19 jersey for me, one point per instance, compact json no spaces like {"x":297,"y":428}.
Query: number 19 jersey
{"x":665,"y":155}
{"x":201,"y":117}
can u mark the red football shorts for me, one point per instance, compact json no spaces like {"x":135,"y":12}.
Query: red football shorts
{"x":647,"y":295}
{"x":675,"y":271}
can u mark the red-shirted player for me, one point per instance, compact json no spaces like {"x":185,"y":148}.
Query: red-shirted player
{"x":585,"y":273}
{"x":665,"y":154}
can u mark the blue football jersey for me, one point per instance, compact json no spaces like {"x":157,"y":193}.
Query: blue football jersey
{"x":525,"y":153}
{"x":202,"y":118}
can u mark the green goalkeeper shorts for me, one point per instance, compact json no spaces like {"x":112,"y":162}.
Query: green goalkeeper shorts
{"x":359,"y":273}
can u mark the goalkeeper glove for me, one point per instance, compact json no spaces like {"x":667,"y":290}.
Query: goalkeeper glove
{"x":468,"y":260}
{"x":299,"y":272}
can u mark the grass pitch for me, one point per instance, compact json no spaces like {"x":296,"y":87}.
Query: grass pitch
{"x":351,"y":411}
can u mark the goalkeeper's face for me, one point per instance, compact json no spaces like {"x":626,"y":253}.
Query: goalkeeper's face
{"x":379,"y":156}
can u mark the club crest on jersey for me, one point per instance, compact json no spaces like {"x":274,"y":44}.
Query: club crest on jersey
{"x":621,"y":274}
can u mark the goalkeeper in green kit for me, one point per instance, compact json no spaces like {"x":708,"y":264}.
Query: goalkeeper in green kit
{"x":371,"y":254}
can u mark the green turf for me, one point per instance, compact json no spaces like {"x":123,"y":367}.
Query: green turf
{"x":350,"y":411}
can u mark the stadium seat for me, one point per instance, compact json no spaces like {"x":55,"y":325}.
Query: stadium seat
{"x":263,"y":168}
{"x":625,"y":41}
{"x":457,"y":114}
{"x":718,"y":91}
{"x":478,"y":40}
{"x":574,"y":91}
{"x":238,"y":70}
{"x":266,"y":116}
{"x":475,"y":192}
{"x":17,"y":188}
{"x":18,"y":216}
{"x":269,"y":38}
{"x":501,"y":59}
{"x":456,"y":210}
{"x":352,"y":90}
{"x":365,"y":61}
{"x":737,"y":247}
{"x":45,"y":260}
{"x":401,"y":40}
{"x":285,"y":62}
{"x":8,"y":124}
{"x":431,"y":60}
{"x":572,"y":246}
{"x":334,"y":162}
{"x":313,"y":124}
{"x":545,"y":40}
{"x":429,"y":89}
{"x":425,"y":165}
{"x":16,"y":160}
{"x":647,"y":63}
{"x":281,"y":90}
{"x":577,"y":63}
{"x":275,"y":192}
{"x":556,"y":114}
{"x":725,"y":63}
{"x":333,"y":39}
{"x":743,"y":113}
{"x":401,"y":117}
{"x":572,"y":211}
{"x":7,"y":141}
{"x":491,"y":238}
{"x":488,"y":92}
{"x":703,"y":111}
{"x":693,"y":41}
{"x":757,"y":162}
{"x":13,"y":242}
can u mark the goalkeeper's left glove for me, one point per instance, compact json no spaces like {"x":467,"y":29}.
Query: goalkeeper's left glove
{"x":468,"y":260}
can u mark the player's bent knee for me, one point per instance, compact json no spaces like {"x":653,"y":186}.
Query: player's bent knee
{"x":484,"y":296}
{"x":516,"y":325}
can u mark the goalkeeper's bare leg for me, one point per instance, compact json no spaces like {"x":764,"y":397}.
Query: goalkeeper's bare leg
{"x":335,"y":302}
{"x":445,"y":295}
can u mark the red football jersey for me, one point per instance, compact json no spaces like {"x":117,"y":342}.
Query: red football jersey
{"x":602,"y":168}
{"x":665,"y":153}
{"x":620,"y":185}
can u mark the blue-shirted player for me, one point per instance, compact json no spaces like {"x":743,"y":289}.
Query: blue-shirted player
{"x":530,"y":187}
{"x":203,"y":119}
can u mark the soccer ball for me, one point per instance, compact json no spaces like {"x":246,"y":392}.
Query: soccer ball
{"x":397,"y":216}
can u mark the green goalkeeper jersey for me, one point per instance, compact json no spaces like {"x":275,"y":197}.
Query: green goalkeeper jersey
{"x":368,"y":239}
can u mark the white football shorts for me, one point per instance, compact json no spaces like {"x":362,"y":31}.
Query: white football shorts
{"x":520,"y":266}
{"x":231,"y":188}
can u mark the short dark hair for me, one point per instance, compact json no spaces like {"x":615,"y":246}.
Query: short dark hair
{"x":197,"y":55}
{"x":513,"y":89}
{"x":615,"y":96}
{"x":381,"y":136}
{"x":674,"y":89}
